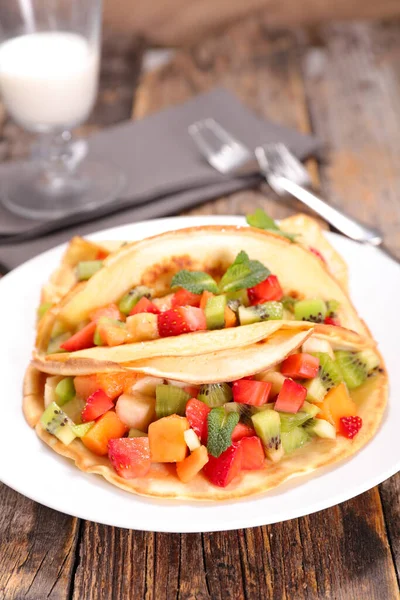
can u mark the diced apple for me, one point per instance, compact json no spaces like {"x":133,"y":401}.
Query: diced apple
{"x":136,"y":410}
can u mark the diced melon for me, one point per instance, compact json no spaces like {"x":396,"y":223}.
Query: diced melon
{"x":136,"y":410}
{"x":337,"y":404}
{"x":167,"y":440}
{"x":141,"y":327}
{"x":145,"y":385}
{"x":190,"y":466}
{"x":273,"y":377}
{"x":106,"y":428}
{"x":85,"y":385}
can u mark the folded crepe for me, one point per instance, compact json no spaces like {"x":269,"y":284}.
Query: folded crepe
{"x":248,"y":430}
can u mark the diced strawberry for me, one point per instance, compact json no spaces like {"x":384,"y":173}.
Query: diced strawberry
{"x":222,"y":470}
{"x":192,"y":390}
{"x":101,"y":254}
{"x":265,"y":291}
{"x":111,"y":312}
{"x":317,"y":253}
{"x":96,"y":405}
{"x":350,"y":426}
{"x":301,"y":365}
{"x":332,"y":321}
{"x":246,"y":391}
{"x":183,"y":319}
{"x":253,"y":456}
{"x":242,"y":430}
{"x":80,"y":340}
{"x":145,"y":306}
{"x":185,"y":298}
{"x":196,"y":413}
{"x":291,"y":397}
{"x":130,"y":457}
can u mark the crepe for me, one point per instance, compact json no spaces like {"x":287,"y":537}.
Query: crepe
{"x":162,"y":480}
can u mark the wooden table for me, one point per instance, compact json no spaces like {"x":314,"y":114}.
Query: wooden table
{"x":343,"y":83}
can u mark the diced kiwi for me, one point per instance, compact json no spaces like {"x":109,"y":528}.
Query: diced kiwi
{"x":136,"y":433}
{"x":288,"y":303}
{"x":290,"y":421}
{"x":356,"y":366}
{"x":316,"y":391}
{"x":215,"y":312}
{"x":328,"y":371}
{"x":170,"y":400}
{"x":244,"y":410}
{"x":73,"y":409}
{"x":267,"y":424}
{"x":294,"y":439}
{"x":87,"y":268}
{"x":310,"y":409}
{"x":55,"y":343}
{"x":130,"y":299}
{"x":97,"y":339}
{"x":239,"y":297}
{"x":260,"y":312}
{"x":310,"y":310}
{"x":43,"y":308}
{"x":321,"y":428}
{"x":65,"y":390}
{"x":215,"y":394}
{"x":332,"y":307}
{"x":56,"y":422}
{"x":82,"y":429}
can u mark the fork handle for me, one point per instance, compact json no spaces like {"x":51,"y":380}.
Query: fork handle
{"x":346,"y":225}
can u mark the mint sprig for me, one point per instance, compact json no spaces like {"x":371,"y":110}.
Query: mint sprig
{"x":243,"y":273}
{"x":261,"y":220}
{"x":220,"y":426}
{"x":194,"y":281}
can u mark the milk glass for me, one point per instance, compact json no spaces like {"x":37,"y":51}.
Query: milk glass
{"x":49,"y":71}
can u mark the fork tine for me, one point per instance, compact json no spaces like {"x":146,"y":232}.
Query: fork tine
{"x":203,"y":134}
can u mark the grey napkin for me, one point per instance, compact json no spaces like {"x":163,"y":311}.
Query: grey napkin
{"x":164,"y":172}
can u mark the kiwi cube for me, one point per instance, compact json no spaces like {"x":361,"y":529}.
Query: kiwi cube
{"x":215,"y":394}
{"x":87,"y":268}
{"x":65,"y":390}
{"x":55,"y":343}
{"x":260,"y":312}
{"x":56,"y":422}
{"x":129,"y":300}
{"x":267,"y":424}
{"x":316,"y":391}
{"x":294,"y":439}
{"x":290,"y":421}
{"x":310,"y":310}
{"x":215,"y":312}
{"x":352,"y":368}
{"x":321,"y":428}
{"x":82,"y":429}
{"x":170,"y":400}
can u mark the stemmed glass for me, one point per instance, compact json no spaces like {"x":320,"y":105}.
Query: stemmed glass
{"x":49,"y":71}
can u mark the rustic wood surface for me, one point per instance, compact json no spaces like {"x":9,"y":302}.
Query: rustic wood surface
{"x":343,"y":83}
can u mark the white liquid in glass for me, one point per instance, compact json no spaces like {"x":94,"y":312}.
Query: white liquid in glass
{"x":48,"y":80}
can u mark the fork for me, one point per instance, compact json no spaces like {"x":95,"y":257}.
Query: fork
{"x":283,"y":172}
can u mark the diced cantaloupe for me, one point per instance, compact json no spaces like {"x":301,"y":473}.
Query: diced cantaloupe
{"x":166,"y":439}
{"x":106,"y":428}
{"x":337,"y":404}
{"x":191,"y":465}
{"x":204,"y":298}
{"x":112,"y":384}
{"x":230,"y":317}
{"x":85,"y":385}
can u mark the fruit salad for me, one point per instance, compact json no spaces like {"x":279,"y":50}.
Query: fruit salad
{"x":216,"y":430}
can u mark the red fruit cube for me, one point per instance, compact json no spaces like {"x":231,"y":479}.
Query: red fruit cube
{"x":110,"y":312}
{"x":80,"y":340}
{"x":242,"y":430}
{"x":265,"y":291}
{"x":222,"y":470}
{"x":332,"y":321}
{"x":246,"y":391}
{"x":253,"y":456}
{"x":144,"y":306}
{"x":301,"y":365}
{"x":192,"y":390}
{"x":291,"y":397}
{"x":350,"y":426}
{"x":196,"y":413}
{"x":183,"y":319}
{"x":96,"y":405}
{"x":130,"y":457}
{"x":185,"y":298}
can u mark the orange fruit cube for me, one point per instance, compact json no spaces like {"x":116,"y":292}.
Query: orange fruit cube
{"x":166,"y":439}
{"x":188,"y":468}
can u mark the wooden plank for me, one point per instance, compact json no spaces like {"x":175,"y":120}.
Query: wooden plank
{"x":37,"y":549}
{"x":390,"y":495}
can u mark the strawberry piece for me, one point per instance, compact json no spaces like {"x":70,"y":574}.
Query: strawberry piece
{"x":222,"y":470}
{"x":350,"y":426}
{"x":253,"y":456}
{"x":196,"y":413}
{"x":332,"y":321}
{"x":183,"y":319}
{"x":301,"y":365}
{"x":265,"y":291}
{"x":192,"y":390}
{"x":145,"y":306}
{"x":291,"y":397}
{"x":317,"y":253}
{"x":110,"y":312}
{"x":185,"y":298}
{"x":255,"y":393}
{"x":130,"y":457}
{"x":242,"y":430}
{"x":80,"y":340}
{"x":96,"y":405}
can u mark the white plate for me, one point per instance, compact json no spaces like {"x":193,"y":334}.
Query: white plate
{"x":31,"y":468}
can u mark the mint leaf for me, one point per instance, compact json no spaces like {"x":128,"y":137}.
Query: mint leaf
{"x":261,"y":220}
{"x":220,"y":426}
{"x":243,"y":273}
{"x":194,"y":281}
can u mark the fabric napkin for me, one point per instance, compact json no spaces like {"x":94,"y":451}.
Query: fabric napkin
{"x":164,"y":172}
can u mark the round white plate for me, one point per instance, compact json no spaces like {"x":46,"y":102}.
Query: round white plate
{"x":31,"y":468}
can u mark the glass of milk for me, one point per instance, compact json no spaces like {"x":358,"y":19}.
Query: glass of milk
{"x":49,"y":71}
